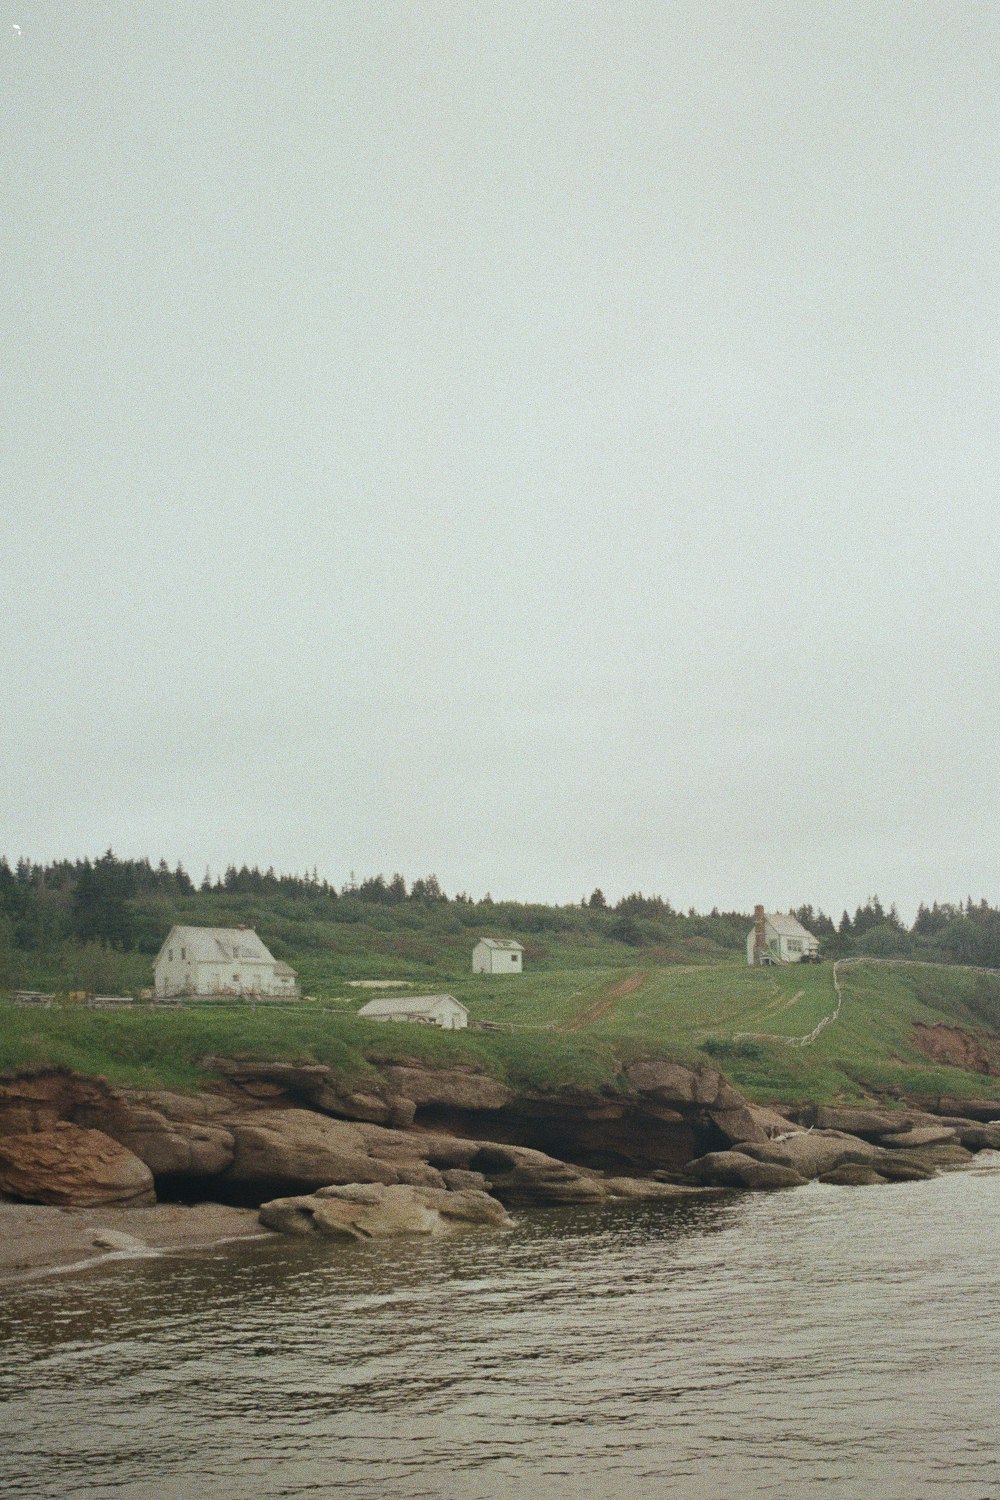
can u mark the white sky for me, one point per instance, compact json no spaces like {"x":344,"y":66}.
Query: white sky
{"x":546,"y":444}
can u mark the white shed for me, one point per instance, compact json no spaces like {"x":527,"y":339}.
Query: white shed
{"x":497,"y":956}
{"x":220,"y":961}
{"x":419,"y":1010}
{"x":778,"y":938}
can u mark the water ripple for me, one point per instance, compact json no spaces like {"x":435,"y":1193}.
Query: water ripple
{"x":825,"y":1344}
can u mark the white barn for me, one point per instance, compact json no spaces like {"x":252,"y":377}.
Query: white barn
{"x":497,"y":956}
{"x":220,"y":961}
{"x":419,"y":1010}
{"x":776,"y":938}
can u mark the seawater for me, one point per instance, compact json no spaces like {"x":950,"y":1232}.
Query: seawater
{"x":826,"y":1342}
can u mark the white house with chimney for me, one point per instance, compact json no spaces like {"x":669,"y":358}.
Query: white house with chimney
{"x":497,"y":956}
{"x":779,"y":938}
{"x":220,"y":961}
{"x":418,"y":1010}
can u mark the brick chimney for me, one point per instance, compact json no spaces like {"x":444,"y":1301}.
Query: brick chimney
{"x":759,"y":935}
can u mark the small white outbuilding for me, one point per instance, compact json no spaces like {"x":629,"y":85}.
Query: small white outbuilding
{"x":497,"y":956}
{"x":419,"y":1010}
{"x":200,"y":961}
{"x":779,"y":938}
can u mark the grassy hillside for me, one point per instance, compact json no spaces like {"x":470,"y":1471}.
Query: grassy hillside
{"x":569,"y":1023}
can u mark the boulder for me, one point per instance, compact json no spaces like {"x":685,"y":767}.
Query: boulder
{"x":519,"y":1175}
{"x":174,"y":1147}
{"x":457,"y":1180}
{"x":469,"y":1205}
{"x":770,"y":1121}
{"x":738,"y":1125}
{"x":852,"y":1174}
{"x":70,"y":1165}
{"x":313,"y":1084}
{"x":976,"y":1137}
{"x":399,"y":1211}
{"x":947,"y":1154}
{"x":365,"y":1211}
{"x":671,"y":1083}
{"x":810,"y":1153}
{"x":419,"y":1174}
{"x":987,"y":1110}
{"x":897,"y":1166}
{"x":440,"y":1150}
{"x":736,"y":1170}
{"x":450,"y":1088}
{"x":288,"y":1215}
{"x":868,"y":1123}
{"x":919,"y":1136}
{"x":297,"y":1146}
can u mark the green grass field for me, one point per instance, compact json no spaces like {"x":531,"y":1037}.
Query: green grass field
{"x":563,"y":1025}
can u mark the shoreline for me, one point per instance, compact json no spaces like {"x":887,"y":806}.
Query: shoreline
{"x":38,"y":1240}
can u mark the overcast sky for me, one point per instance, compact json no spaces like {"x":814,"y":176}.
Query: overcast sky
{"x":547,"y":444}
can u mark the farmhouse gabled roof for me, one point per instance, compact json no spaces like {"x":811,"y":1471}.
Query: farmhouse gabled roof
{"x":408,"y":1005}
{"x":502,"y":943}
{"x":787,"y":926}
{"x":206,"y":945}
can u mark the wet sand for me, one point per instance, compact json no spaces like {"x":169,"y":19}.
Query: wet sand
{"x":34,"y":1238}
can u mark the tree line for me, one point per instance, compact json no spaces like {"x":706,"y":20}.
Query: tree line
{"x":126,"y":903}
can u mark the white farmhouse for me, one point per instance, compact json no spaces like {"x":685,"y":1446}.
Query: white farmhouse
{"x":420,"y":1010}
{"x":220,"y":961}
{"x":497,"y":956}
{"x":776,"y":938}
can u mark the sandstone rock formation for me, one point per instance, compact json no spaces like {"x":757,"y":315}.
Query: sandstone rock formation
{"x":813,"y":1152}
{"x":281,"y":1128}
{"x":365,"y":1211}
{"x":71,"y":1165}
{"x":737,"y":1170}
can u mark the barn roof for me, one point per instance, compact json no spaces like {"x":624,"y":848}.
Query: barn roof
{"x":503,"y":943}
{"x":221,"y":945}
{"x":787,"y":926}
{"x":408,"y":1005}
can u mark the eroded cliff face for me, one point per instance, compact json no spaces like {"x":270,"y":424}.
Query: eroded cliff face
{"x":957,"y":1048}
{"x":265,"y":1128}
{"x":268,"y":1130}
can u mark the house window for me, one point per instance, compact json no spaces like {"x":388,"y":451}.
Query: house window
{"x":236,"y":976}
{"x":170,"y":955}
{"x":184,"y":953}
{"x":513,"y":958}
{"x":794,"y":945}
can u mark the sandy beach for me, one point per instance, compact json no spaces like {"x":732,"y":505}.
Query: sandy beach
{"x":35,"y":1238}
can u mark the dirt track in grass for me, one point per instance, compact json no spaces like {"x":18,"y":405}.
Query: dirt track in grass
{"x":603,"y":1006}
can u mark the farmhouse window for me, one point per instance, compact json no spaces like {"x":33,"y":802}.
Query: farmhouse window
{"x":170,"y":955}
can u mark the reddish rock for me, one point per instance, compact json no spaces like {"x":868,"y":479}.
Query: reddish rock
{"x":297,"y":1146}
{"x":811,"y":1153}
{"x":71,"y":1165}
{"x":451,"y":1088}
{"x":735,"y":1169}
{"x":368,"y":1211}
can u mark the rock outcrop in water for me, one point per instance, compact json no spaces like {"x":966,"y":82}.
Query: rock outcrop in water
{"x":373,"y":1211}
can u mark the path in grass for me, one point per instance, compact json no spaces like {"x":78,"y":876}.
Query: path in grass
{"x":605,"y":1004}
{"x":827,"y":1020}
{"x":810,"y":1036}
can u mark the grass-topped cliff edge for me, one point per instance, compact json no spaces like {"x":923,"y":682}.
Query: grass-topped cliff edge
{"x":571,"y":1025}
